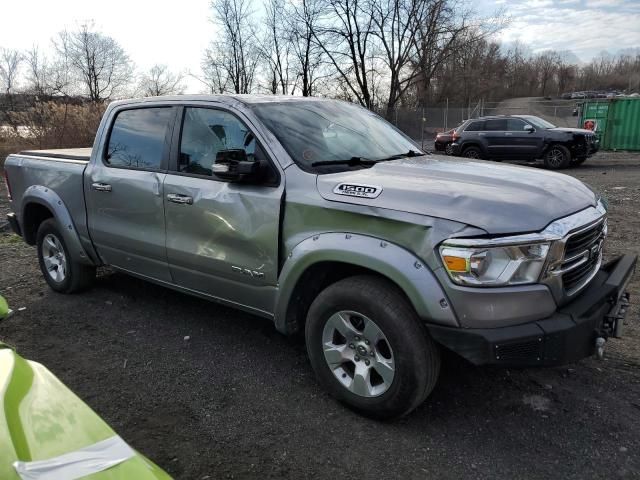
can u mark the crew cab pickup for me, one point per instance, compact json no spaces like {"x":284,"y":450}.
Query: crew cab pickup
{"x":321,"y":216}
{"x":523,"y":137}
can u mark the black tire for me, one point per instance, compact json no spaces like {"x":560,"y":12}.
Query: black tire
{"x":578,"y":161}
{"x":448,"y":149}
{"x":416,"y":357}
{"x":76,"y":276}
{"x":557,"y":157}
{"x":472,"y":152}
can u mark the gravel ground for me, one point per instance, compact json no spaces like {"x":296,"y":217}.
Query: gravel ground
{"x":209,"y":392}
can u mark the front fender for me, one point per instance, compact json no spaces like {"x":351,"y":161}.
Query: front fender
{"x":406,"y":270}
{"x":48,"y":198}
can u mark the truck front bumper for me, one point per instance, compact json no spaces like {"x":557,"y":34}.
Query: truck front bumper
{"x":567,"y":336}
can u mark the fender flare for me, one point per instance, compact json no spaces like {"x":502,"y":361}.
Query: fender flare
{"x":406,"y":270}
{"x":46,"y":197}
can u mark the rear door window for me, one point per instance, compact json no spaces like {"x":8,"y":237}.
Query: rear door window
{"x":476,"y":126}
{"x":137,"y":138}
{"x":495,"y":125}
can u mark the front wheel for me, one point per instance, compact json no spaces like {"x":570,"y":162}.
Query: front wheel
{"x":369,"y":349}
{"x":557,"y":157}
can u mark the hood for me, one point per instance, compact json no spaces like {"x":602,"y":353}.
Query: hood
{"x":581,"y":131}
{"x":500,"y":199}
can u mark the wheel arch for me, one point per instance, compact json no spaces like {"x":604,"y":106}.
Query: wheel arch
{"x":319,"y":261}
{"x":564,"y":142}
{"x":473,"y":143}
{"x":40,"y":203}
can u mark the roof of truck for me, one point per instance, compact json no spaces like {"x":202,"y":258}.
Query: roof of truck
{"x":247,"y":99}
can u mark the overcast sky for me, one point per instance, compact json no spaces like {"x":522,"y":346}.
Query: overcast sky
{"x":176,"y":33}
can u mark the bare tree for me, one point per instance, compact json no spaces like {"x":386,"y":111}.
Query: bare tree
{"x":213,"y":73}
{"x":546,"y":65}
{"x":159,"y":80}
{"x":45,"y":76}
{"x":231,"y":62}
{"x":10,"y":61}
{"x":345,"y":35}
{"x":448,"y":27}
{"x":303,"y":24}
{"x":36,"y":71}
{"x":396,"y":24}
{"x":102,"y":65}
{"x":276,"y":47}
{"x":566,"y":72}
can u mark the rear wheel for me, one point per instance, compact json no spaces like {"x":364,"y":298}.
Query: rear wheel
{"x":60,"y":270}
{"x":557,"y":157}
{"x":472,"y":152}
{"x":369,"y":349}
{"x":448,"y":149}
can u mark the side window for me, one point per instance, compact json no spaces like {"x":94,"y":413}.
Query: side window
{"x":137,"y":138}
{"x":515,"y":125}
{"x":212,"y":136}
{"x":475,"y":127}
{"x":495,"y":125}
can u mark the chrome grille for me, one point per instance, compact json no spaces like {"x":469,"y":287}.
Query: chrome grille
{"x":582,"y":256}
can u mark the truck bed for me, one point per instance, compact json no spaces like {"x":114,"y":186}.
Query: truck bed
{"x":56,"y":174}
{"x":77,"y":154}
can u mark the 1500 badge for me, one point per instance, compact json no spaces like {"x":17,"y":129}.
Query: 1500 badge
{"x":357,"y":190}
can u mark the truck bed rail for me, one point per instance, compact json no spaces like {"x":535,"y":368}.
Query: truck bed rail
{"x":77,"y":154}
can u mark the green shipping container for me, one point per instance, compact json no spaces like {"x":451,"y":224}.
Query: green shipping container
{"x":618,"y":122}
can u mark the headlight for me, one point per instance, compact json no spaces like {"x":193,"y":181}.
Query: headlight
{"x":494,"y":265}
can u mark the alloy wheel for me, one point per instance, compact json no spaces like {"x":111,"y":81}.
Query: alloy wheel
{"x":358,"y":353}
{"x":54,"y":258}
{"x":555,"y":157}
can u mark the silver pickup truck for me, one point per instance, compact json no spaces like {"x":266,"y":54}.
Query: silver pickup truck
{"x":326,"y":219}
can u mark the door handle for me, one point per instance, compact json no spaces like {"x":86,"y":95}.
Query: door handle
{"x":101,"y":187}
{"x":508,"y":134}
{"x":182,"y":199}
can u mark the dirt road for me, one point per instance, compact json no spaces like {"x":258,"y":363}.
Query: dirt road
{"x":209,"y":392}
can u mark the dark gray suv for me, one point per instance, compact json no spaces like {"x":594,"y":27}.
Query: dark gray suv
{"x":523,"y":137}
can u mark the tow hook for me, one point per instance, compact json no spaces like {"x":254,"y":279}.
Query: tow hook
{"x":600,"y":342}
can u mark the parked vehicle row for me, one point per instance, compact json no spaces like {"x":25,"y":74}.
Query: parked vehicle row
{"x":324,"y":218}
{"x":596,"y":94}
{"x":520,"y":137}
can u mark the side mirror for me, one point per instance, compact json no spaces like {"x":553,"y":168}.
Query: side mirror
{"x":233,"y":166}
{"x":529,"y":128}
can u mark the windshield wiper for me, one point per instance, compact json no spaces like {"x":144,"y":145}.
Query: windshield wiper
{"x":366,"y":161}
{"x":410,"y":153}
{"x":350,"y":161}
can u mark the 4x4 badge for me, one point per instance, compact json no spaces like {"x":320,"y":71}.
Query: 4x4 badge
{"x":357,"y":190}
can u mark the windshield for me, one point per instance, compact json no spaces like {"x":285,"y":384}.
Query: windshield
{"x":538,"y":122}
{"x":314,"y":132}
